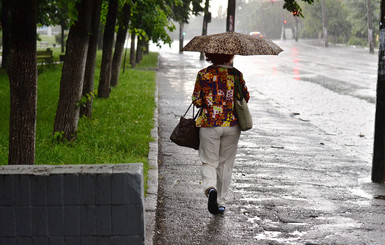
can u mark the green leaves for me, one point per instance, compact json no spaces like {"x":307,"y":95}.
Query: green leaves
{"x":293,"y":6}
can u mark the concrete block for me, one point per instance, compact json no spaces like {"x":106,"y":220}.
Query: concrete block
{"x":40,"y":241}
{"x":39,"y":221}
{"x":7,"y":240}
{"x":89,"y":240}
{"x":102,"y":189}
{"x":7,"y":192}
{"x":103,"y":220}
{"x":87,"y":221}
{"x":56,"y":241}
{"x":120,"y":220}
{"x":87,"y":189}
{"x":23,"y":221}
{"x":103,"y":241}
{"x":7,"y":222}
{"x":55,"y":221}
{"x":72,"y":240}
{"x":38,"y":190}
{"x":71,"y":221}
{"x":55,"y":189}
{"x":119,"y":189}
{"x":135,"y":220}
{"x":120,"y":240}
{"x":22,"y":185}
{"x":135,"y":187}
{"x":70,"y":189}
{"x":23,"y":240}
{"x":135,"y":240}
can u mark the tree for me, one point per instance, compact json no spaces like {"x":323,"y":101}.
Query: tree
{"x":22,"y":73}
{"x":123,"y":21}
{"x":5,"y":15}
{"x":325,"y":30}
{"x":150,"y":20}
{"x":338,"y":27}
{"x":181,"y":14}
{"x":71,"y":83}
{"x":108,"y":42}
{"x":378,"y":166}
{"x":370,"y":27}
{"x":206,"y":20}
{"x":360,"y":33}
{"x":88,"y":84}
{"x":230,"y":23}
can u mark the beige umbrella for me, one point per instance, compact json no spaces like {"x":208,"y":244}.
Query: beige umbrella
{"x":233,"y":43}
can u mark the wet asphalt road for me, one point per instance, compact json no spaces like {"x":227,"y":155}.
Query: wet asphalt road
{"x":294,"y":181}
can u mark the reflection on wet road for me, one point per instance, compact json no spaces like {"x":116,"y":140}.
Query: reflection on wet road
{"x":301,"y":174}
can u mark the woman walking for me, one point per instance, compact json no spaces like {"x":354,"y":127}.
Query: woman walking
{"x":219,"y":131}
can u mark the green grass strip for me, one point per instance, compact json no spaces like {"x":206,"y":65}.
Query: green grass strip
{"x":118,"y":132}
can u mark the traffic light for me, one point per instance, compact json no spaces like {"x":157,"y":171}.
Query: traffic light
{"x":285,"y":22}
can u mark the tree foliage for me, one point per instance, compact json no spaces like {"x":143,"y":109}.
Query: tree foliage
{"x":356,"y":15}
{"x":293,"y":7}
{"x":183,"y":9}
{"x":346,"y":20}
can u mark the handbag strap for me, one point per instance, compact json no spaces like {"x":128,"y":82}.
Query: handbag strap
{"x":194,"y":115}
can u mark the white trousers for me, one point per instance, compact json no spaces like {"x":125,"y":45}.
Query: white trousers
{"x":217,"y":150}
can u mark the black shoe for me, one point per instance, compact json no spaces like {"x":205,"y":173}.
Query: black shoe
{"x":212,"y":204}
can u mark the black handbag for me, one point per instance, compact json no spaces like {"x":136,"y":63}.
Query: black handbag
{"x":186,"y":133}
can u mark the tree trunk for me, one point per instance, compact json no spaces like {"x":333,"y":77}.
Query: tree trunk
{"x":296,"y":28}
{"x":6,"y":31}
{"x":205,"y":21}
{"x":284,"y":22}
{"x":119,"y":45}
{"x":132,"y":50}
{"x":370,"y":27}
{"x":324,"y":24}
{"x":378,"y":167}
{"x":146,"y":47}
{"x":71,"y":84}
{"x":22,"y":73}
{"x":181,"y":37}
{"x":139,"y":51}
{"x":108,"y":45}
{"x":100,"y":37}
{"x":88,"y":84}
{"x":62,"y":38}
{"x":230,"y":23}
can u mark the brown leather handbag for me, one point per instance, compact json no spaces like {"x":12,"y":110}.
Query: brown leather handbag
{"x":186,"y":133}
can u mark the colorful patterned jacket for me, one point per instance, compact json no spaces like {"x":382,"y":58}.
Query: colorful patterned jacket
{"x":214,"y":93}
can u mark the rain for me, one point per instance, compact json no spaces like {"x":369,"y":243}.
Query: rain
{"x":302,"y":174}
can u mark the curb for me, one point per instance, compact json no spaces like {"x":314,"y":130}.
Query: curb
{"x":152,"y":181}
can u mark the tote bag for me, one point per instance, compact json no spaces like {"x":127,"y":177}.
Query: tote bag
{"x":241,"y":108}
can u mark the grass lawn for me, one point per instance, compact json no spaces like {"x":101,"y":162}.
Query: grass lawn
{"x":118,"y":132}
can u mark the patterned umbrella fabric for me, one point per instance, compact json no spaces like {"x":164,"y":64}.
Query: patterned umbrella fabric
{"x":233,"y":43}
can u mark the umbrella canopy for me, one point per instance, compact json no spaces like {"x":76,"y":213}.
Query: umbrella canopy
{"x":233,"y":43}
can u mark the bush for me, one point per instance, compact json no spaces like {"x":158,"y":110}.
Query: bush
{"x":357,"y":41}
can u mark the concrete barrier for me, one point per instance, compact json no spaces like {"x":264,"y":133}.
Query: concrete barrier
{"x":72,"y":204}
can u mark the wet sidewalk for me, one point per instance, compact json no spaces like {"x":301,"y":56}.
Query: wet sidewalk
{"x":292,"y":183}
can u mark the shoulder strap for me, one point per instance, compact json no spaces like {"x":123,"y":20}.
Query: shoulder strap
{"x":237,"y":88}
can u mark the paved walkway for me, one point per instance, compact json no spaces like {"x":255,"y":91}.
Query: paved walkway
{"x":291,"y":183}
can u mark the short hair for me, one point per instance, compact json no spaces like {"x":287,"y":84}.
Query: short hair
{"x":219,"y":59}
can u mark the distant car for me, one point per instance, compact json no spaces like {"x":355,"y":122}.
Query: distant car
{"x":256,"y":34}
